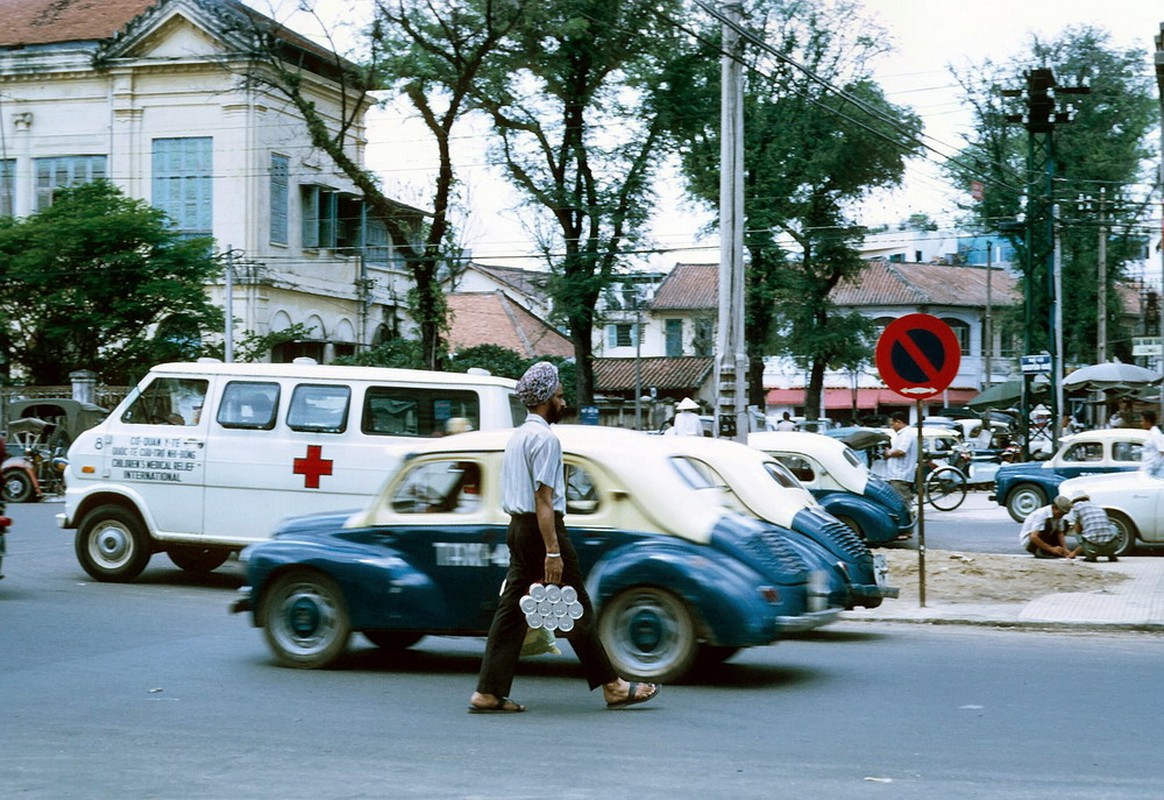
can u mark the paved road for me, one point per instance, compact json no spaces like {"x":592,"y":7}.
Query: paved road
{"x":152,"y":690}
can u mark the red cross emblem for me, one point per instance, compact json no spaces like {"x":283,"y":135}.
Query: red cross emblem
{"x":312,"y":466}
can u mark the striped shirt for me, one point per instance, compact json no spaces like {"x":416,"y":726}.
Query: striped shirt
{"x":533,"y":457}
{"x":1094,"y":526}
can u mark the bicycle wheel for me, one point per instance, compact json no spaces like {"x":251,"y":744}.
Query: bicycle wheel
{"x":945,"y":488}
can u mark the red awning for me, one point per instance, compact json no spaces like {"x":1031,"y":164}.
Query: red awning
{"x":867,"y":399}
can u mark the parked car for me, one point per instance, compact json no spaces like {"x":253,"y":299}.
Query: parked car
{"x":760,"y":485}
{"x":673,"y":574}
{"x":842,"y":483}
{"x":1134,"y":502}
{"x":1029,"y":485}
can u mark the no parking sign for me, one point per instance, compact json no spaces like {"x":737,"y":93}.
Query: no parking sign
{"x":918,"y":356}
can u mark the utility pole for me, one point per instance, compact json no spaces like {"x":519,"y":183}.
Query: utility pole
{"x":228,"y":302}
{"x":1040,"y":118}
{"x":1101,"y":292}
{"x":731,"y":360}
{"x":989,"y":337}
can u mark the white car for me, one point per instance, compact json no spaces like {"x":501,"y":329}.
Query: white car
{"x":1134,"y":502}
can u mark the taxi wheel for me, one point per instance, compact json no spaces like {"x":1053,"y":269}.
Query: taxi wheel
{"x":1023,"y":500}
{"x":198,"y":559}
{"x":305,"y":619}
{"x":648,"y":634}
{"x":17,"y":486}
{"x":1125,"y":532}
{"x":112,"y":544}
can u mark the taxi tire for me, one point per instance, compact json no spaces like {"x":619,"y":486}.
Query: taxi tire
{"x":1025,"y":497}
{"x":199,"y":560}
{"x":648,"y":634}
{"x":1125,"y":532}
{"x":313,"y":601}
{"x":112,"y":544}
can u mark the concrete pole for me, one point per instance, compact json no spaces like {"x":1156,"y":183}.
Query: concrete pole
{"x":989,"y":338}
{"x":731,"y":359}
{"x":1057,"y":322}
{"x":228,"y":302}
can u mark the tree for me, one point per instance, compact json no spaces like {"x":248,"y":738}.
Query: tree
{"x":583,"y":100}
{"x":1106,"y":145}
{"x":86,"y":281}
{"x":812,"y":149}
{"x":430,"y":54}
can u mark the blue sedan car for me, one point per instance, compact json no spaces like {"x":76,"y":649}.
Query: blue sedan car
{"x":673,"y":575}
{"x":1024,"y":487}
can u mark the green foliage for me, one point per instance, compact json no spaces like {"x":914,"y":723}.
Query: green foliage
{"x":494,"y":358}
{"x":810,"y":155}
{"x":398,"y":353}
{"x":83,"y":279}
{"x":1108,"y":144}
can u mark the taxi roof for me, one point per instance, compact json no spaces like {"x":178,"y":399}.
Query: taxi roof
{"x":331,"y":372}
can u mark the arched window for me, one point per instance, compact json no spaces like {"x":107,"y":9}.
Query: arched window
{"x":962,"y":331}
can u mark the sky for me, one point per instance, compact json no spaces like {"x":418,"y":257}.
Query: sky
{"x":929,"y":36}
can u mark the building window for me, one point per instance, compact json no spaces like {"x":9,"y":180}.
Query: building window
{"x":704,"y":341}
{"x":7,"y":186}
{"x":280,"y":172}
{"x":319,"y":216}
{"x":962,"y":331}
{"x":182,"y":183}
{"x":674,"y":338}
{"x":621,"y":334}
{"x":63,"y":171}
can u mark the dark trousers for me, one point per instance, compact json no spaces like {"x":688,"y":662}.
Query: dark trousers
{"x":527,"y":560}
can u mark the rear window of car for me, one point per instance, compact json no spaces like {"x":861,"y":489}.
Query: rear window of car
{"x":581,"y":494}
{"x":440,"y":487}
{"x":1084,"y":451}
{"x":798,"y":466}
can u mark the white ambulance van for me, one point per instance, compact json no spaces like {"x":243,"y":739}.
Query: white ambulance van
{"x":202,"y":459}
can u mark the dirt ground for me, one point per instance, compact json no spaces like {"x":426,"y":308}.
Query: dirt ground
{"x":953,"y":577}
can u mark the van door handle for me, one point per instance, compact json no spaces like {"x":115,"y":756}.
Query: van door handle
{"x":194,"y":442}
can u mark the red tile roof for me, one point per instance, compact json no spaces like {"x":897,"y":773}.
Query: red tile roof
{"x":688,"y":287}
{"x":882,"y":283}
{"x":493,"y":318}
{"x":684,"y":375}
{"x":50,"y":21}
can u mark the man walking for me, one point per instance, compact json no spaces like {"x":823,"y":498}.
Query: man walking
{"x":534,"y":496}
{"x":1152,"y":455}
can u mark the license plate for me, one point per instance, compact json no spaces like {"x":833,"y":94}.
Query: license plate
{"x":881,"y":569}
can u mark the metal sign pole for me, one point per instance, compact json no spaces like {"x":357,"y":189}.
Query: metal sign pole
{"x":919,"y":487}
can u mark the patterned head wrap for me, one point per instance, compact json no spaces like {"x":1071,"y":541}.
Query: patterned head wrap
{"x":538,"y":384}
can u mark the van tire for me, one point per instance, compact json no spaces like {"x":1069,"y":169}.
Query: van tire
{"x":200,"y":560}
{"x":112,"y":544}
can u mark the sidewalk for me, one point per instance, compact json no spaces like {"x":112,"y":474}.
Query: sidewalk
{"x":1136,"y":604}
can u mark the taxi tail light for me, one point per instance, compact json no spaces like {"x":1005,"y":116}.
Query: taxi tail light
{"x":771,"y":594}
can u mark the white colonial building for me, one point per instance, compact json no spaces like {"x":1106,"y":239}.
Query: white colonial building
{"x":151,"y":95}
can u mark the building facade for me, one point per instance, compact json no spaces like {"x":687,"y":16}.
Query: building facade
{"x":154,"y":96}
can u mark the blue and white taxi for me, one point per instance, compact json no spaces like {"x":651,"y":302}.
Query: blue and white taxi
{"x":758,"y":484}
{"x":841,"y":482}
{"x":674,"y":575}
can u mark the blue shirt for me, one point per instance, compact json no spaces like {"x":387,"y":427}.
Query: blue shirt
{"x":533,"y":458}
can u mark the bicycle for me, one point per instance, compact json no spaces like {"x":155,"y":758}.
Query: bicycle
{"x":945,"y":488}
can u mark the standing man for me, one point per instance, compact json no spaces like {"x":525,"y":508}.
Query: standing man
{"x":901,"y":456}
{"x":533,"y":489}
{"x":1042,"y":532}
{"x":1152,"y":456}
{"x":786,"y":423}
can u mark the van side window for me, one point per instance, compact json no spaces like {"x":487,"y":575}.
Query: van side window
{"x":249,"y":405}
{"x":319,"y":409}
{"x":406,"y":411}
{"x":167,"y":401}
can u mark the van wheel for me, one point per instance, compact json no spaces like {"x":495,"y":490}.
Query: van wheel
{"x":112,"y":544}
{"x":18,"y":486}
{"x":305,"y":619}
{"x":648,"y":634}
{"x":198,"y":559}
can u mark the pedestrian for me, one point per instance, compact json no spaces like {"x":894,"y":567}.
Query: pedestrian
{"x":1152,"y":454}
{"x":533,"y":491}
{"x":1042,"y":534}
{"x":901,"y":456}
{"x":1094,"y":534}
{"x":687,"y":422}
{"x":786,"y":423}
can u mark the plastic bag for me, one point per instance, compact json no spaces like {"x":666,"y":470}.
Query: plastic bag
{"x":539,"y":641}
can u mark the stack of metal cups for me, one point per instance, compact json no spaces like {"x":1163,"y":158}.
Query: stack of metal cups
{"x":555,"y":608}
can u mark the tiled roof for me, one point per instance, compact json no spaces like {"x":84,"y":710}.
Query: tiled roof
{"x":529,"y":282}
{"x":492,"y":318}
{"x":28,"y":22}
{"x":882,"y":283}
{"x":688,"y":287}
{"x":670,"y":375}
